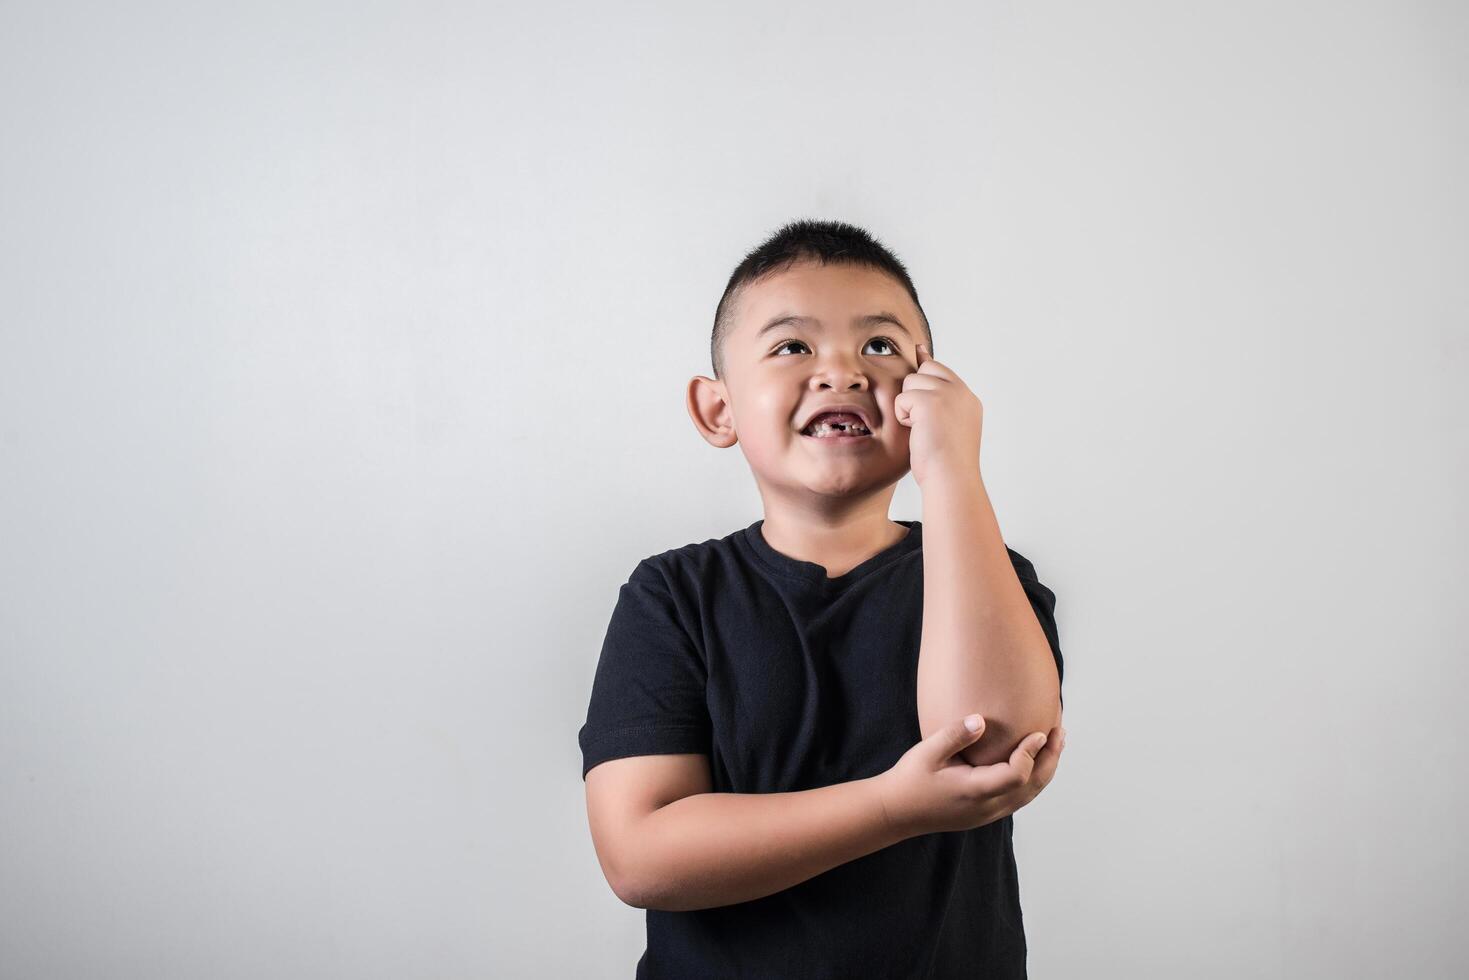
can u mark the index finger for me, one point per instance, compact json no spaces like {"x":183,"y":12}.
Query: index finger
{"x":1046,"y":761}
{"x":936,"y":368}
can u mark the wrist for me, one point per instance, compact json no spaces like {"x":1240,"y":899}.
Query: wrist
{"x":893,"y":824}
{"x":951,"y":480}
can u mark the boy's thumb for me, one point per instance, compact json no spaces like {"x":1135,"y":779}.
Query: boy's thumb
{"x":957,"y":735}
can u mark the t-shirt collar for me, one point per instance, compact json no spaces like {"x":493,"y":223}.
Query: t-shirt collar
{"x":813,"y":573}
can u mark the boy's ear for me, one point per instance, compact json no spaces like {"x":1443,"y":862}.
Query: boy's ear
{"x":708,"y":404}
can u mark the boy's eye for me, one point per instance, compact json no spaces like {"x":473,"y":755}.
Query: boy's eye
{"x":892,"y":347}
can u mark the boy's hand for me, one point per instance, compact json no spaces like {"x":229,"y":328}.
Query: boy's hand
{"x":946,"y":419}
{"x":931,"y":789}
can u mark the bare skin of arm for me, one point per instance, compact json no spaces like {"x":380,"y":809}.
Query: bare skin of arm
{"x":706,"y":849}
{"x":666,"y":842}
{"x":720,"y":848}
{"x":983,"y":650}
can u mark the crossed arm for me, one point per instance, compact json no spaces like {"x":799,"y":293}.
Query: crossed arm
{"x":666,"y":841}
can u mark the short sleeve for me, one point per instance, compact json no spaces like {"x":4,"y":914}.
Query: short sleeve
{"x":648,"y":693}
{"x":1043,"y":601}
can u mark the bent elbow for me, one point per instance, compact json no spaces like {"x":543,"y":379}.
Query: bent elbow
{"x":628,"y":888}
{"x":631,"y":888}
{"x":628,"y":894}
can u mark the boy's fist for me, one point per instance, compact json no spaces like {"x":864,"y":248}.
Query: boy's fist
{"x":930,"y":790}
{"x":946,"y":419}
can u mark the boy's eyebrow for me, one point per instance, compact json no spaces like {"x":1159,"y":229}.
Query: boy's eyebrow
{"x":796,"y":320}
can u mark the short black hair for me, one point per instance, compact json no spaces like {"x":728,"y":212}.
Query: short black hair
{"x":806,"y":240}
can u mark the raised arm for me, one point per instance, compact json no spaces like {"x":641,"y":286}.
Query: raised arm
{"x":983,"y":648}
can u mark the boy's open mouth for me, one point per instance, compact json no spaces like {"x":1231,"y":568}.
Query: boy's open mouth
{"x":836,"y":425}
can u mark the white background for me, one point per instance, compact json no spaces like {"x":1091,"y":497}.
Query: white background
{"x":341,"y":385}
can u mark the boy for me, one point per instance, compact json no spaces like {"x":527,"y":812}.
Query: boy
{"x":777,"y":762}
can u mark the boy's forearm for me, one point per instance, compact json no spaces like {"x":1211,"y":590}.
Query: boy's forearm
{"x":714,"y":849}
{"x":983,"y":648}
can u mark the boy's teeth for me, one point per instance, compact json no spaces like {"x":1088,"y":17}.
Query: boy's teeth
{"x":824,"y":430}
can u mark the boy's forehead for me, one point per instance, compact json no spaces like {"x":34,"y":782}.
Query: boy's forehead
{"x":833,"y":292}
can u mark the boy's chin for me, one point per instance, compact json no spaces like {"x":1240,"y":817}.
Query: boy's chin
{"x":845,"y":481}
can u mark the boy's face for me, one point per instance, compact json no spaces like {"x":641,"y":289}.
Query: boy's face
{"x":775,"y":377}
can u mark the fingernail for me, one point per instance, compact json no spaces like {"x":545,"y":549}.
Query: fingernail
{"x":1062,"y":743}
{"x":972,"y":723}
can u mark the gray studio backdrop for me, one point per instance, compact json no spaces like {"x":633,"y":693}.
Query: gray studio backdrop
{"x":341,"y":386}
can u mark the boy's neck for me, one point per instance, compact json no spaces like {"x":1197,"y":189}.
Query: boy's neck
{"x":836,"y":544}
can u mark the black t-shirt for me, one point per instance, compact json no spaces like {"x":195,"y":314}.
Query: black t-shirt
{"x":790,"y":680}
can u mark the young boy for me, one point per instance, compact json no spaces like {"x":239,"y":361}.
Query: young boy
{"x":777,"y":762}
